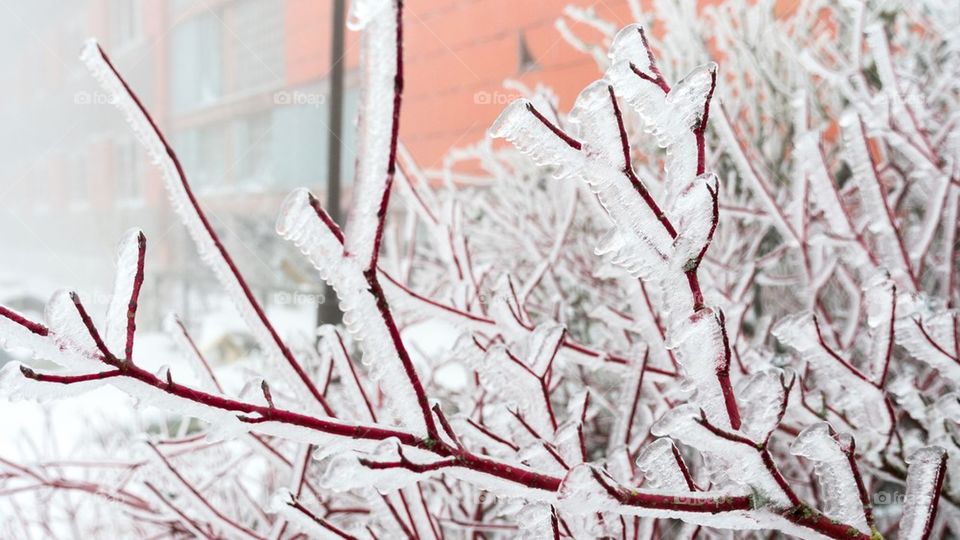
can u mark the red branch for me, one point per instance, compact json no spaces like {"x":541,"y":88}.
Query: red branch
{"x":135,"y":295}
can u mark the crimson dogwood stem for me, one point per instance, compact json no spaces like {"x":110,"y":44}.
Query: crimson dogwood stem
{"x":135,"y":295}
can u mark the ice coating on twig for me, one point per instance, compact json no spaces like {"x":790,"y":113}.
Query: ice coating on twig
{"x":823,"y":191}
{"x":694,"y":213}
{"x":303,"y":224}
{"x":639,"y":242}
{"x":63,"y":317}
{"x":335,"y":345}
{"x":380,"y":466}
{"x":871,"y":191}
{"x":129,"y":277}
{"x":763,"y":397}
{"x":928,"y":335}
{"x":832,"y":455}
{"x":17,"y":331}
{"x":201,"y":503}
{"x":629,"y":53}
{"x":591,"y":490}
{"x":378,"y":118}
{"x":748,"y":172}
{"x":745,"y":467}
{"x":880,"y":296}
{"x":533,"y":136}
{"x":506,"y":251}
{"x":662,"y":465}
{"x":513,"y":379}
{"x":924,"y":481}
{"x":700,"y":345}
{"x":15,"y":383}
{"x":175,"y":328}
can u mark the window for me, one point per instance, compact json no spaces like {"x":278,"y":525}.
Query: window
{"x":300,"y":142}
{"x":256,"y":44}
{"x":127,"y":171}
{"x":252,"y":145}
{"x":197,"y":60}
{"x":202,"y":153}
{"x":125,"y":21}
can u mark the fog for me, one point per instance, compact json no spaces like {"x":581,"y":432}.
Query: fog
{"x":74,"y":178}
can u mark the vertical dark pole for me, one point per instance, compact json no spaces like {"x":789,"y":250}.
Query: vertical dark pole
{"x":327,"y":311}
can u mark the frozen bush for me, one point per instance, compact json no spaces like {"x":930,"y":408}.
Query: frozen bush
{"x":694,"y":303}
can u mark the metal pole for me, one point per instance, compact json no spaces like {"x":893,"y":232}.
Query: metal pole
{"x":327,"y":311}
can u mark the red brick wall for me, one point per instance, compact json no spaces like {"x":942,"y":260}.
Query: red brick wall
{"x":308,"y":41}
{"x":457,"y":55}
{"x":459,"y":52}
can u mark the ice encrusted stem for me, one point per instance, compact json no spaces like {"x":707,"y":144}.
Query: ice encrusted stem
{"x":394,"y":138}
{"x":690,"y":267}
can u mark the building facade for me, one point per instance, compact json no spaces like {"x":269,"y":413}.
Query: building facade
{"x":240,"y":87}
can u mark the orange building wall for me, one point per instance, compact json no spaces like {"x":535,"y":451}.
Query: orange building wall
{"x":458,"y":54}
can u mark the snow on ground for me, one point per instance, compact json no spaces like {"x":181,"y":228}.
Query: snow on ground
{"x":59,"y":429}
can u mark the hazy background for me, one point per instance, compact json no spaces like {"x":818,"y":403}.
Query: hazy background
{"x":241,"y":88}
